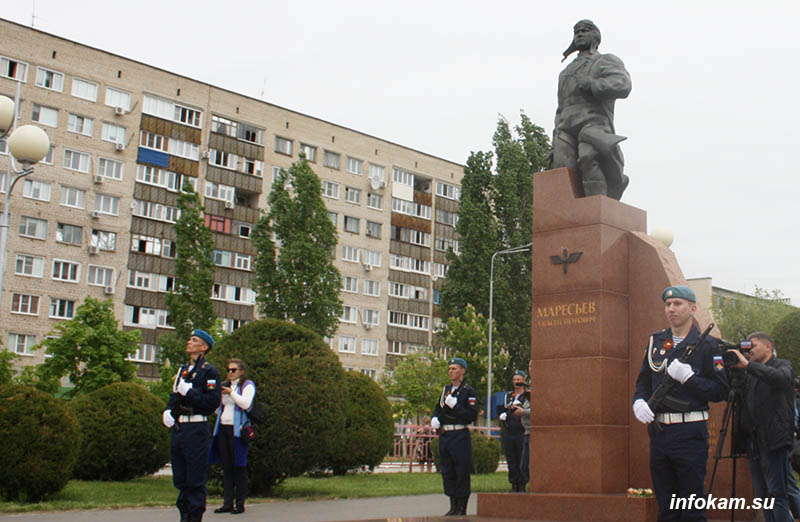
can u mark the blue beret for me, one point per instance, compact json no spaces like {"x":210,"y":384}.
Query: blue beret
{"x":205,"y":336}
{"x":682,"y":291}
{"x":459,"y":361}
{"x":521,"y":373}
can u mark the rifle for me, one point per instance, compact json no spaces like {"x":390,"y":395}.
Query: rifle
{"x":662,"y":395}
{"x":179,"y":409}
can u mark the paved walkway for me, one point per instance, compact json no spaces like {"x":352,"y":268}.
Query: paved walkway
{"x":392,"y":509}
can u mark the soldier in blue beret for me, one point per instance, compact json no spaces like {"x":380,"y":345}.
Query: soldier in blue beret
{"x":514,"y":434}
{"x":456,"y":410}
{"x":679,"y":451}
{"x":195,"y":395}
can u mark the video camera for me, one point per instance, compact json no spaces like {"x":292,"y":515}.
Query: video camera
{"x":730,"y":359}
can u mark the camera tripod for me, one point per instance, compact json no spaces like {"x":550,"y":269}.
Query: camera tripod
{"x":729,"y":417}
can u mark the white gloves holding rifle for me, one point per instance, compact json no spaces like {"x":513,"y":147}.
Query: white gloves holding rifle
{"x":643,"y":412}
{"x":679,"y":371}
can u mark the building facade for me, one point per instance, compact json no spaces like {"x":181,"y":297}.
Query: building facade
{"x":96,"y":217}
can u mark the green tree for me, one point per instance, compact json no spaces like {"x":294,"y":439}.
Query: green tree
{"x":496,"y":213}
{"x":786,"y":335}
{"x":90,"y":349}
{"x":467,"y":336}
{"x":6,"y":366}
{"x":298,"y":281}
{"x":189,"y":304}
{"x":739,"y":316}
{"x":418,"y":379}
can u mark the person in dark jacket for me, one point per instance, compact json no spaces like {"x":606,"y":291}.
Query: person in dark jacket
{"x":514,"y":436}
{"x":769,"y":422}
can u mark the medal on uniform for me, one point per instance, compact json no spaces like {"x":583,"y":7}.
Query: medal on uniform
{"x":666,"y":346}
{"x":663,"y":351}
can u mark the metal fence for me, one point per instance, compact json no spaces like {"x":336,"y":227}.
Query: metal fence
{"x":412,"y":443}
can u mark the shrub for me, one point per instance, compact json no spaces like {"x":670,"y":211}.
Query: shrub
{"x":485,"y":453}
{"x":123,"y":437}
{"x":40,"y":445}
{"x":299,"y":383}
{"x":786,"y":335}
{"x":369,"y":429}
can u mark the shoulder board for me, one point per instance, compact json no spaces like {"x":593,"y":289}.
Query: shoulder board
{"x":205,"y":364}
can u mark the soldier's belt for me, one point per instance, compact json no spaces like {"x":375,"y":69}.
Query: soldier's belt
{"x":678,"y":418}
{"x":192,"y":418}
{"x":453,"y":427}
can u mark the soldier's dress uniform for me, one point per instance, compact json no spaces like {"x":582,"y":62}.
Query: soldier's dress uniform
{"x":455,"y":444}
{"x":679,"y":453}
{"x":191,"y":438}
{"x":514,"y":441}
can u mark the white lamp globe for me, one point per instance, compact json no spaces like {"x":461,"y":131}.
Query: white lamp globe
{"x":664,"y":235}
{"x":29,"y":144}
{"x":6,"y":113}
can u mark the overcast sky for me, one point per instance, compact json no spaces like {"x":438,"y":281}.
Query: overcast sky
{"x":712,"y":121}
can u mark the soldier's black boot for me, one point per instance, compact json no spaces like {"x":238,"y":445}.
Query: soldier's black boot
{"x":461,"y":506}
{"x":184,"y":516}
{"x":452,"y":507}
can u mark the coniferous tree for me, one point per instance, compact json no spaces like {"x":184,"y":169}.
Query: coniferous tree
{"x":298,"y":281}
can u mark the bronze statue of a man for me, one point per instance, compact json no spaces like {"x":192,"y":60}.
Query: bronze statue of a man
{"x":584,"y":138}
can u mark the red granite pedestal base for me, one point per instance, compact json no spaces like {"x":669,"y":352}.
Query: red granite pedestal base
{"x":567,"y":507}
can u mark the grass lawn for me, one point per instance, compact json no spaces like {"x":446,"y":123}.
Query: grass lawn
{"x":158,"y":491}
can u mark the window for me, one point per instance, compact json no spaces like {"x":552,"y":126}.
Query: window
{"x":49,"y":79}
{"x":374,"y":201}
{"x":223,"y":159}
{"x":80,"y":124}
{"x":310,"y":152}
{"x":445,"y":243}
{"x":84,"y":89}
{"x":25,"y":304}
{"x":100,"y":275}
{"x":410,"y":235}
{"x":150,"y":140}
{"x":229,"y":325}
{"x":113,"y":133}
{"x":376,"y":172}
{"x":350,"y":253}
{"x":75,"y":160}
{"x":68,"y":271}
{"x":448,"y":191}
{"x":66,"y":233}
{"x":14,"y":69}
{"x":353,"y":195}
{"x":61,"y":308}
{"x":351,"y":224}
{"x":72,"y":197}
{"x":242,"y":261}
{"x":48,"y":160}
{"x":145,"y":353}
{"x":355,"y":166}
{"x":349,"y":284}
{"x":21,"y":344}
{"x":403,"y":177}
{"x":187,"y":115}
{"x":330,"y":159}
{"x":32,"y":227}
{"x":373,"y":229}
{"x":283,"y":145}
{"x":109,"y":168}
{"x":370,"y":317}
{"x":349,"y":314}
{"x":141,"y":317}
{"x":407,"y":320}
{"x":104,"y":240}
{"x":369,"y":347}
{"x":347,"y":344}
{"x":372,"y":257}
{"x":243,"y":230}
{"x":251,"y":134}
{"x":330,"y":189}
{"x":333,"y":217}
{"x":142,"y":280}
{"x":220,"y":192}
{"x":447,"y":218}
{"x":184,"y":149}
{"x":31,"y":266}
{"x":254,"y":167}
{"x":222,"y":258}
{"x":217,"y":223}
{"x":372,"y":287}
{"x":118,"y":98}
{"x":409,"y":264}
{"x":107,"y":204}
{"x":440,"y":270}
{"x":150,"y":245}
{"x":36,"y":189}
{"x":369,"y":372}
{"x":397,"y":347}
{"x":157,"y":211}
{"x":171,"y":181}
{"x":45,"y":115}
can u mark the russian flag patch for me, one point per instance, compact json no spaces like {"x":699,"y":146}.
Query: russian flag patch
{"x":472,"y":401}
{"x":211,"y":384}
{"x":718,"y":364}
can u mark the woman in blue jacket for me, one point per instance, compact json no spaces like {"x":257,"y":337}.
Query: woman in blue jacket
{"x":228,"y":446}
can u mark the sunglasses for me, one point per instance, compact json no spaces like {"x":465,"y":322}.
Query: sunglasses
{"x":231,"y":370}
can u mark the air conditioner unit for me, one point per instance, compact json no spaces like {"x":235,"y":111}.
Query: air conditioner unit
{"x":98,"y":178}
{"x":120,"y":146}
{"x":119,"y":111}
{"x":367,"y":267}
{"x":229,"y":204}
{"x":109,"y":290}
{"x":94,"y":249}
{"x":96,"y":214}
{"x":205,"y":154}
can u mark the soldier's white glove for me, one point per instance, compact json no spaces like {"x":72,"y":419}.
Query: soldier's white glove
{"x":643,"y":412}
{"x":503,"y":416}
{"x":184,"y":387}
{"x":168,"y":419}
{"x":517,"y":404}
{"x":679,"y":371}
{"x":451,"y":401}
{"x":435,"y":424}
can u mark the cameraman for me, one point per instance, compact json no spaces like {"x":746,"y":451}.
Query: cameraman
{"x":768,"y":420}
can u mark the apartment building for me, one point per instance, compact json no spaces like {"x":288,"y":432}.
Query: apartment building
{"x":96,"y":217}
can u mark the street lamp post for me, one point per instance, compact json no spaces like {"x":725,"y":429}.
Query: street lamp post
{"x":514,"y":250}
{"x":27,"y":145}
